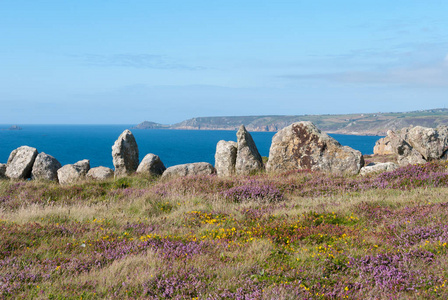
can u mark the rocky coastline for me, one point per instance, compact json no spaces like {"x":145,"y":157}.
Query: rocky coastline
{"x":371,"y":124}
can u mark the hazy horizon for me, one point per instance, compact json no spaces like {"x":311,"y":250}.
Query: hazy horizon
{"x":109,"y":62}
{"x":136,"y":123}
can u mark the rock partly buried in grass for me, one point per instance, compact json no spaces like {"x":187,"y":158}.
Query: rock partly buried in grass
{"x":225,"y":158}
{"x":248,"y":160}
{"x":378,"y":168}
{"x":2,"y":171}
{"x":45,"y":167}
{"x":151,"y":165}
{"x":302,"y":145}
{"x":20,"y":162}
{"x":201,"y":168}
{"x":414,"y":145}
{"x":100,"y":173}
{"x":73,"y":173}
{"x":125,"y":154}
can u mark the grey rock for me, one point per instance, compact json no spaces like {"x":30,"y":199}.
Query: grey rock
{"x":378,"y":168}
{"x":45,"y":167}
{"x":201,"y":168}
{"x":100,"y":173}
{"x":125,"y":154}
{"x":20,"y":162}
{"x":225,"y":158}
{"x":415,"y":145}
{"x":248,"y":160}
{"x":72,"y":173}
{"x":302,"y":145}
{"x":2,"y":171}
{"x":429,"y":142}
{"x":413,"y":157}
{"x":151,"y":165}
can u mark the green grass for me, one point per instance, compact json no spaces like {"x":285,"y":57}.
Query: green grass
{"x":139,"y":238}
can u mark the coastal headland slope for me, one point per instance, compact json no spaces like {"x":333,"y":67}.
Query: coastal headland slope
{"x":356,"y":124}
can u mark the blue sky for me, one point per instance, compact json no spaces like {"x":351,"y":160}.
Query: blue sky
{"x":122,"y":62}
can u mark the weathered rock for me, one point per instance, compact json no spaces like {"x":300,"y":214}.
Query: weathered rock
{"x":248,"y":160}
{"x":429,"y":142}
{"x":444,"y":156}
{"x":383,"y":146}
{"x":125,"y":154}
{"x":201,"y":168}
{"x":100,"y":173}
{"x":2,"y":171}
{"x":225,"y":158}
{"x":20,"y":162}
{"x":72,"y":173}
{"x":377,"y":168}
{"x":412,"y":158}
{"x":45,"y":167}
{"x":302,"y":145}
{"x":415,"y":145}
{"x":151,"y":165}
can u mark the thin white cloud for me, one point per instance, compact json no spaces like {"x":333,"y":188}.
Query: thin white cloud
{"x":140,"y":61}
{"x":423,"y":74}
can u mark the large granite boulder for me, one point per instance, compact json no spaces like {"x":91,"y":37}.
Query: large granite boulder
{"x":429,"y":142}
{"x":225,"y":158}
{"x":2,"y":171}
{"x":125,"y":154}
{"x":414,"y":145}
{"x":151,"y":165}
{"x":302,"y":145}
{"x":248,"y":160}
{"x":100,"y":173}
{"x":45,"y":167}
{"x":20,"y":162}
{"x":201,"y":168}
{"x":72,"y":173}
{"x":378,"y":168}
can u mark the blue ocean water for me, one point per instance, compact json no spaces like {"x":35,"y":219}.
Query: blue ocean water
{"x":71,"y":143}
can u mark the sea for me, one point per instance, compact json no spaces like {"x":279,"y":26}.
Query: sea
{"x":71,"y":143}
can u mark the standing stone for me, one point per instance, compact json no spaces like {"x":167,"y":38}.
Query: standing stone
{"x":100,"y":173}
{"x":125,"y":154}
{"x":201,"y":168}
{"x":72,"y":173}
{"x":45,"y":167}
{"x":415,"y":145}
{"x":384,"y":146}
{"x":225,"y":158}
{"x":429,"y":142}
{"x":151,"y":165}
{"x":248,"y":160}
{"x":302,"y":145}
{"x":20,"y":162}
{"x":2,"y":171}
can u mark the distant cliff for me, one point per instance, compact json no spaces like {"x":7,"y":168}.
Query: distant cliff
{"x":150,"y":125}
{"x":358,"y":124}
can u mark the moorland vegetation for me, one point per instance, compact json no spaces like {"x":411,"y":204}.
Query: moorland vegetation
{"x":292,"y":235}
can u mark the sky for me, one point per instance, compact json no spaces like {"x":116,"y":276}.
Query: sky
{"x":123,"y":62}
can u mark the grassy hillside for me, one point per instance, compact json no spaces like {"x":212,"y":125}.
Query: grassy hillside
{"x":290,"y":236}
{"x":360,"y":124}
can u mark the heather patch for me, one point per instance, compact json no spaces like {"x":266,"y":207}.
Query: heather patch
{"x":330,"y":237}
{"x":253,"y":191}
{"x":394,"y":271}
